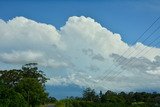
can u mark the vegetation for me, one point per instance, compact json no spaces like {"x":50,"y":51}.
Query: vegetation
{"x":25,"y":87}
{"x":112,"y":99}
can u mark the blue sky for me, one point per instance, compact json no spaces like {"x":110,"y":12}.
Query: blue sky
{"x":127,"y":17}
{"x":85,"y":59}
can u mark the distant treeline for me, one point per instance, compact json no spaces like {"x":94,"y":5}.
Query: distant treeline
{"x":25,"y":87}
{"x":112,"y":99}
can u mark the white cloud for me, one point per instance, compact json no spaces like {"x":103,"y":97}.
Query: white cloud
{"x":20,"y":57}
{"x":82,"y":47}
{"x":23,"y":33}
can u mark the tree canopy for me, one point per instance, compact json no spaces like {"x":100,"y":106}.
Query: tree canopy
{"x":112,"y":99}
{"x":24,"y":87}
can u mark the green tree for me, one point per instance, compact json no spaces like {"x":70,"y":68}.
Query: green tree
{"x":31,"y":71}
{"x":51,"y":100}
{"x":10,"y":98}
{"x":89,"y":94}
{"x":28,"y":83}
{"x":32,"y":91}
{"x":110,"y":96}
{"x":10,"y":77}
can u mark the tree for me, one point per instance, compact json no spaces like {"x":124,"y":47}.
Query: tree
{"x":31,"y":71}
{"x":110,"y":96}
{"x":10,"y":98}
{"x":100,"y":96}
{"x":52,"y":100}
{"x":32,"y":91}
{"x":89,"y":94}
{"x":27,"y":83}
{"x":10,"y":77}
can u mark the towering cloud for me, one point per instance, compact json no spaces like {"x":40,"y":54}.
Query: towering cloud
{"x":81,"y":51}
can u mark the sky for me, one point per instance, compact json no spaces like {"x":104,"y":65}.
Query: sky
{"x":77,"y":43}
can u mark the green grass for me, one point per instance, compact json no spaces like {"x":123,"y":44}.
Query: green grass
{"x":46,"y":105}
{"x":60,"y":104}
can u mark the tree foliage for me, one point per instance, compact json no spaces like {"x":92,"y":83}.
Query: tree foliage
{"x":89,"y":95}
{"x":10,"y":98}
{"x":31,"y":71}
{"x":113,"y":99}
{"x":32,"y":91}
{"x":22,"y":86}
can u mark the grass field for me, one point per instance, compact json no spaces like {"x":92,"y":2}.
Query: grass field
{"x":48,"y":105}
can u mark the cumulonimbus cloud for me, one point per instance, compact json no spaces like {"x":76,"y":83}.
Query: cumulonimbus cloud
{"x":82,"y":48}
